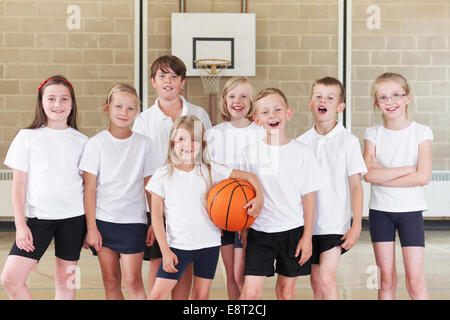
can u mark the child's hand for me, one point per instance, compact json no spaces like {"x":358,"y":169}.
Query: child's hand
{"x":170,"y":260}
{"x":374,"y":162}
{"x":150,"y":239}
{"x":254,"y":206}
{"x":351,"y":237}
{"x":24,"y":238}
{"x":94,"y":239}
{"x":305,"y":248}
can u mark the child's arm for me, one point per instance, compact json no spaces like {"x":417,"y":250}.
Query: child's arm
{"x":24,"y":238}
{"x":305,"y":244}
{"x":256,"y":204}
{"x":93,"y":236}
{"x":377,"y":175}
{"x":419,"y":177}
{"x":150,"y":234}
{"x":356,"y":197}
{"x":170,"y":260}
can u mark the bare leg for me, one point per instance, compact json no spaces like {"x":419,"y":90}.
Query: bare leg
{"x":285,"y":287}
{"x":111,"y":274}
{"x":200,"y":290}
{"x":253,"y":286}
{"x":385,"y":258}
{"x":182,"y":289}
{"x":239,"y":264}
{"x":315,"y":281}
{"x":14,"y":276}
{"x":413,"y":259}
{"x":132,"y":275}
{"x":227,"y":253}
{"x":327,"y":276}
{"x":65,"y":273}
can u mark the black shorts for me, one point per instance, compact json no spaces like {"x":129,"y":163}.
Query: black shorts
{"x":263,"y":249}
{"x":410,"y":227}
{"x":68,"y":234}
{"x":325,"y":242}
{"x":127,"y":238}
{"x":153,"y":251}
{"x":229,"y":237}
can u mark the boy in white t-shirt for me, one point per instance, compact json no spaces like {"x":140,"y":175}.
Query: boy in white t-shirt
{"x":339,"y":155}
{"x":290,"y":176}
{"x":168,"y":75}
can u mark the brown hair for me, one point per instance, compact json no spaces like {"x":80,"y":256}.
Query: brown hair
{"x":330,"y":81}
{"x":166,"y":62}
{"x":268,"y":91}
{"x":40,"y":118}
{"x":230,"y":85}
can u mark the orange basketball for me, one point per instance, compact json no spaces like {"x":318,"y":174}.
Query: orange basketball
{"x":225,"y":204}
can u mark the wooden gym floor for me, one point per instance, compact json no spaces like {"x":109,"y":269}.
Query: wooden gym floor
{"x":356,"y":278}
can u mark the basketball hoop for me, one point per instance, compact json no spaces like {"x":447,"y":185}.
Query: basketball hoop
{"x":210,"y":71}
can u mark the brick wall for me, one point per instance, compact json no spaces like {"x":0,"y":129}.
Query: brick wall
{"x":36,"y":43}
{"x":296,"y":43}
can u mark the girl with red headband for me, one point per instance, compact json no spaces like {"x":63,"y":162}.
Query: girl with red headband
{"x":47,"y":191}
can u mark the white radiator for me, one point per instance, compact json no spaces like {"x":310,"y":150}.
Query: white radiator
{"x":437,"y":194}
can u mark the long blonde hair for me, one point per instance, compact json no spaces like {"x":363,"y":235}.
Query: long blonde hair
{"x":196,"y":129}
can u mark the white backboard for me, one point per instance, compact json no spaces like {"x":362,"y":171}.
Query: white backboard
{"x":229,"y":36}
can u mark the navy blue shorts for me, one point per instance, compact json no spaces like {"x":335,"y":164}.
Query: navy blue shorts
{"x":410,"y":227}
{"x":68,"y":235}
{"x":127,"y":238}
{"x":229,"y":237}
{"x":205,"y":263}
{"x":264,"y":249}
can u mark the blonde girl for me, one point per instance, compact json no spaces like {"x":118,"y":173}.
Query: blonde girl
{"x":398,"y":158}
{"x":178,"y":196}
{"x":225,"y":143}
{"x":47,"y":191}
{"x":117,"y":163}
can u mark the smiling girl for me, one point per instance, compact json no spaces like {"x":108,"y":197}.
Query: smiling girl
{"x":398,"y":158}
{"x":47,"y":189}
{"x":225,"y":143}
{"x":178,"y":196}
{"x":117,"y":163}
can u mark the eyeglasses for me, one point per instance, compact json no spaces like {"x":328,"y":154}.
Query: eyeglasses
{"x":395,"y":97}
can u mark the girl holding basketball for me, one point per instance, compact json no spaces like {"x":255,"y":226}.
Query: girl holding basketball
{"x":179,"y":190}
{"x":398,"y":158}
{"x":225,"y":143}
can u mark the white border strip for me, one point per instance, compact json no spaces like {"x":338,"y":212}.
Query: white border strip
{"x":136,"y":44}
{"x":348,"y":80}
{"x":145,"y":55}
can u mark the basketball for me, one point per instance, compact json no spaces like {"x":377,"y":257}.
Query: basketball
{"x":225,"y":204}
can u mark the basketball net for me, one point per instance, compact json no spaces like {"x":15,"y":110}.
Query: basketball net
{"x":210,"y":71}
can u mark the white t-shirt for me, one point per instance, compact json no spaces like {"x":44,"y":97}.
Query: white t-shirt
{"x":50,"y":158}
{"x":286,"y":173}
{"x":188,"y":226}
{"x":339,"y":156}
{"x":153,"y":123}
{"x":120,"y":166}
{"x":397,"y":148}
{"x":226,"y":142}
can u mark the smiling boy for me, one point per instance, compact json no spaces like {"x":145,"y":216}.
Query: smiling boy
{"x":339,"y":155}
{"x":290,"y":176}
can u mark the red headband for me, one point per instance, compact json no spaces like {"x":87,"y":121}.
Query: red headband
{"x":45,"y":81}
